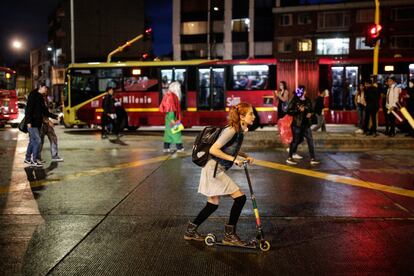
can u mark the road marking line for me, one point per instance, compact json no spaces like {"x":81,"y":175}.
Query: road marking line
{"x":23,"y":186}
{"x":337,"y":178}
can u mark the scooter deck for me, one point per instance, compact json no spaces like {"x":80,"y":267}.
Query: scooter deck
{"x":248,"y":246}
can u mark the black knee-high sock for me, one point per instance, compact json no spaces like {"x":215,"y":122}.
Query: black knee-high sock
{"x":236,"y":209}
{"x":205,"y":213}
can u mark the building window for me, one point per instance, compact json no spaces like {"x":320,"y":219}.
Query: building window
{"x":360,"y":44}
{"x":402,"y":42}
{"x":285,"y":45}
{"x":305,"y":45}
{"x":285,"y":19}
{"x":402,"y":14}
{"x":304,"y":18}
{"x":333,"y":20}
{"x":365,"y":15}
{"x":332,"y":46}
{"x":194,"y":28}
{"x":240,"y":25}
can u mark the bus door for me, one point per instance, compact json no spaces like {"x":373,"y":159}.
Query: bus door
{"x":211,"y":87}
{"x":344,"y":86}
{"x":174,"y":74}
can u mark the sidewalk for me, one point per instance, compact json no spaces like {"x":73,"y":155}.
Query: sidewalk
{"x":337,"y":137}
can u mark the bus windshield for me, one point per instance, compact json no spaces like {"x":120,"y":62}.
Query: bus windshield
{"x":7,"y":81}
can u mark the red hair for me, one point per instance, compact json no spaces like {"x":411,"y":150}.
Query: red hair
{"x":235,"y":112}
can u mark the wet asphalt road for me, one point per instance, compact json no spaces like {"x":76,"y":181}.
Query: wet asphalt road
{"x":119,"y":207}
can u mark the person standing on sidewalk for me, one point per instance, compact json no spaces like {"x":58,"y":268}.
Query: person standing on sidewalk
{"x":318,"y":111}
{"x":393,"y":94}
{"x":372,"y":98}
{"x":283,"y":97}
{"x":49,"y":131}
{"x":360,"y":104}
{"x":170,"y":105}
{"x":214,"y":182}
{"x":410,"y":105}
{"x":300,"y":107}
{"x":35,"y":111}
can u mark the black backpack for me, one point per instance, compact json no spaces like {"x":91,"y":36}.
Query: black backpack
{"x":203,"y":142}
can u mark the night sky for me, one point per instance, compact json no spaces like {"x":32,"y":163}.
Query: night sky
{"x":27,"y":21}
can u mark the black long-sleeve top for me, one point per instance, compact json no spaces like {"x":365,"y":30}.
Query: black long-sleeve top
{"x":299,"y":117}
{"x":108,"y":104}
{"x":36,"y":109}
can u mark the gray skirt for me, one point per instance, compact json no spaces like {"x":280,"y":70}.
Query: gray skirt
{"x":222,"y":184}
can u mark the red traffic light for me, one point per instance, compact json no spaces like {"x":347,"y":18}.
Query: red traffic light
{"x":375,"y":30}
{"x":148,"y":31}
{"x":373,"y":35}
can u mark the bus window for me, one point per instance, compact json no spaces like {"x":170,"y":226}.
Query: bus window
{"x":7,"y":81}
{"x":218,"y":88}
{"x":166,"y":79}
{"x":83,"y":86}
{"x":204,"y":84}
{"x":146,"y":81}
{"x":109,"y":78}
{"x":250,"y":77}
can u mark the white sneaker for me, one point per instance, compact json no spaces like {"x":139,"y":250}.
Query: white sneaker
{"x":297,"y":156}
{"x":180,"y":150}
{"x":291,"y":161}
{"x":166,"y":150}
{"x":359,"y":131}
{"x":57,"y":159}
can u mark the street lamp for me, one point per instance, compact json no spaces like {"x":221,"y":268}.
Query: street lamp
{"x":17,"y":44}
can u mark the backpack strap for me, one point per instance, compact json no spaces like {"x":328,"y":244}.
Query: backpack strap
{"x":216,"y":166}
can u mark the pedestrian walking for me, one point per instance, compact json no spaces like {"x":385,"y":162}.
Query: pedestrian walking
{"x":36,"y":110}
{"x":393,"y":94}
{"x":318,"y":111}
{"x":360,"y":104}
{"x":214,"y":182}
{"x":300,"y":107}
{"x":372,"y":98}
{"x":48,"y":129}
{"x":170,"y":105}
{"x":109,"y":122}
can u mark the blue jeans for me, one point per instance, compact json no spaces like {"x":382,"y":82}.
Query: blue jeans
{"x":298,"y":134}
{"x":361,"y":114}
{"x":34,"y":144}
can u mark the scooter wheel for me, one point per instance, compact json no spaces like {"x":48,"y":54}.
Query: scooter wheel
{"x":264,"y":246}
{"x":210,"y":239}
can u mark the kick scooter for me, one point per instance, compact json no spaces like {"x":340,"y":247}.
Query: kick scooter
{"x":259,"y":241}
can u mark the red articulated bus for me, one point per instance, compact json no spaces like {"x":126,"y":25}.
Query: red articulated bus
{"x":8,"y":96}
{"x":209,"y":88}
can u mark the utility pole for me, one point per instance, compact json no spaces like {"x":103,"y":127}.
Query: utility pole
{"x":72,"y":33}
{"x":208,"y":29}
{"x":377,"y":44}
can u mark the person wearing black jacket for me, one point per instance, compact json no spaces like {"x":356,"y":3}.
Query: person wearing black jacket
{"x":319,"y":106}
{"x":108,"y":114}
{"x":372,"y":97}
{"x":36,"y":109}
{"x":300,"y":107}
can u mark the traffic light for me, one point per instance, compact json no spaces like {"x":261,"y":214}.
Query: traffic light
{"x":148,"y":34}
{"x":373,"y":35}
